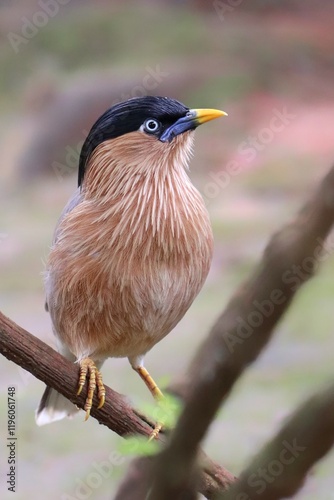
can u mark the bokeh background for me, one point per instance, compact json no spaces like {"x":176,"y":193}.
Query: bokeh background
{"x":62,"y":64}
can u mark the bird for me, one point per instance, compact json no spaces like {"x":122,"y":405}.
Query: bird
{"x":132,"y":247}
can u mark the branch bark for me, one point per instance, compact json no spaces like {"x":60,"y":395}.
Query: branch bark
{"x":241,"y":332}
{"x":279,"y":470}
{"x":19,"y":346}
{"x":29,"y":352}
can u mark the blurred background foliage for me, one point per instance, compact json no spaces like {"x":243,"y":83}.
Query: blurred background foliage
{"x":252,"y":59}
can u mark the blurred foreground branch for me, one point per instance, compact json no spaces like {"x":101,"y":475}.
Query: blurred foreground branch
{"x":279,"y":470}
{"x":241,"y":332}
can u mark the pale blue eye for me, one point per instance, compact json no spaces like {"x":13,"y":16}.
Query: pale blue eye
{"x":151,"y":125}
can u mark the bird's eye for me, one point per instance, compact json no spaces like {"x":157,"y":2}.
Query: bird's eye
{"x":151,"y":125}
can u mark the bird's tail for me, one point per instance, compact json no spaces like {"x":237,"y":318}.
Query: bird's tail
{"x":53,"y":407}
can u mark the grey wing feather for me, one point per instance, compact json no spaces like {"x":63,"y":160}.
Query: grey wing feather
{"x":72,"y":203}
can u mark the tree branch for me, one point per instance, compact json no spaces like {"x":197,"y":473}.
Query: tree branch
{"x":241,"y":332}
{"x":279,"y":470}
{"x":26,"y":350}
{"x":46,"y":364}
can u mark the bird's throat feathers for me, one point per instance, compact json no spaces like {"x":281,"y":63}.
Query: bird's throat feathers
{"x":124,"y":166}
{"x":138,"y":185}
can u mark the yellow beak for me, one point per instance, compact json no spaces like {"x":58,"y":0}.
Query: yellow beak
{"x":205,"y":115}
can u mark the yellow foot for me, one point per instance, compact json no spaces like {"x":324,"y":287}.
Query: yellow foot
{"x":154,"y":434}
{"x":87,"y":366}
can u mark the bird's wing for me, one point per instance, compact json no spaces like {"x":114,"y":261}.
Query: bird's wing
{"x":71,"y":204}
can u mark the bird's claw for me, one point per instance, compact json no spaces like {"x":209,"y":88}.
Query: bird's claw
{"x":87,"y":366}
{"x":154,"y":434}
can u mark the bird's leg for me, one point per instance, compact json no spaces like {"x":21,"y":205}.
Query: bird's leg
{"x":152,"y":386}
{"x":156,"y":393}
{"x":87,"y":366}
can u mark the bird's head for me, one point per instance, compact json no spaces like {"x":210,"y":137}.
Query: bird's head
{"x":141,"y":125}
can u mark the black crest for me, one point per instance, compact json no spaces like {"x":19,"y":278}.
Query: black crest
{"x":129,"y":116}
